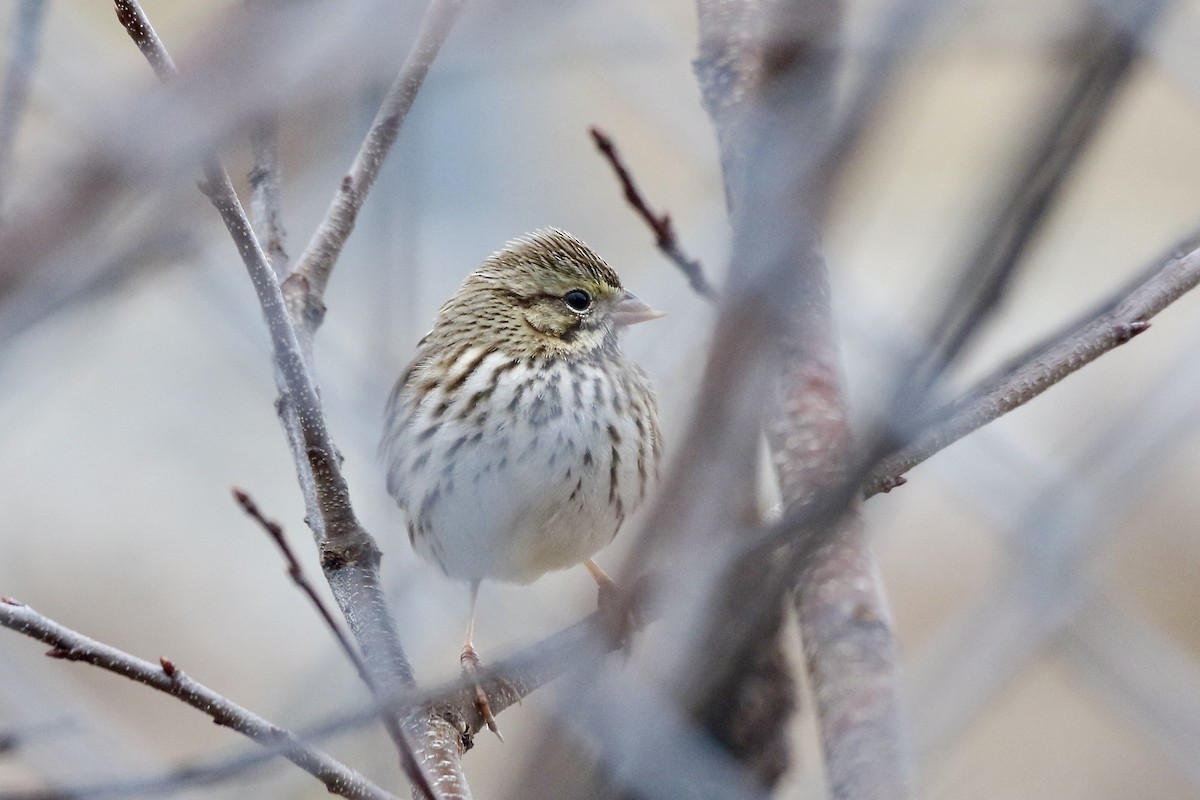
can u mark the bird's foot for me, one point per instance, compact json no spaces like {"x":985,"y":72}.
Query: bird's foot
{"x":618,"y":612}
{"x":469,"y":660}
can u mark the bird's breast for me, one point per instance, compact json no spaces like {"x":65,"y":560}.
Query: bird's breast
{"x":508,"y":468}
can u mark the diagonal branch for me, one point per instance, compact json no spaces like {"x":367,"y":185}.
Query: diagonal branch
{"x":316,"y":262}
{"x":1109,"y":50}
{"x":265,"y":199}
{"x":167,"y":678}
{"x":660,"y":224}
{"x":1126,"y":314}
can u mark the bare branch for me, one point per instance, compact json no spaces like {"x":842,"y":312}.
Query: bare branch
{"x":661,"y":225}
{"x":133,"y":19}
{"x":1119,"y":319}
{"x":767,"y":78}
{"x":350,"y":556}
{"x":275,"y":531}
{"x":765,"y":72}
{"x":316,"y":262}
{"x":166,"y":677}
{"x":265,"y":200}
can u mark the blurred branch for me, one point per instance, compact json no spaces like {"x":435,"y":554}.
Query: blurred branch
{"x":856,"y":688}
{"x":166,"y":677}
{"x":275,"y":531}
{"x":266,"y":201}
{"x":23,"y":305}
{"x":660,"y":225}
{"x":349,"y":554}
{"x":768,"y":85}
{"x":894,"y":37}
{"x":1109,"y":49}
{"x":13,"y":739}
{"x":316,"y":262}
{"x":1145,"y":671}
{"x":1056,"y":537}
{"x":18,"y":73}
{"x":1126,"y":314}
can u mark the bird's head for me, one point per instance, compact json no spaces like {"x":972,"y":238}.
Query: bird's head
{"x":547,"y":292}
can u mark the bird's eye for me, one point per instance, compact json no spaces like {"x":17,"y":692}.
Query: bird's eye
{"x":577,"y":300}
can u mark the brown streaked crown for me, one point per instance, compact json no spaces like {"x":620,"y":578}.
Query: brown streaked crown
{"x":517,"y":300}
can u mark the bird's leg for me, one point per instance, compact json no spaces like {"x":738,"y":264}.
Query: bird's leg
{"x":617,"y":610}
{"x":607,"y":594}
{"x":469,"y":660}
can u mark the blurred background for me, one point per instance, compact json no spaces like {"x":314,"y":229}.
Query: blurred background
{"x":1042,"y":573}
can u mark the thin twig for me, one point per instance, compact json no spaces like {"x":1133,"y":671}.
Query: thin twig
{"x":167,"y":677}
{"x":22,"y":55}
{"x":660,"y":224}
{"x":1124,"y":316}
{"x":275,"y":531}
{"x":316,"y":262}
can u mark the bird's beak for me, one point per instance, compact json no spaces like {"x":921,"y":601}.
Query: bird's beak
{"x":629,"y":310}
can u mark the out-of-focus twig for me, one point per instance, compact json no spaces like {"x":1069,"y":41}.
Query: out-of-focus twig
{"x":1109,"y":50}
{"x":1147,"y":674}
{"x":275,"y":531}
{"x":765,"y":72}
{"x":660,"y":224}
{"x":1059,"y":534}
{"x":18,"y":72}
{"x":266,"y":200}
{"x":1118,"y":320}
{"x":166,"y":677}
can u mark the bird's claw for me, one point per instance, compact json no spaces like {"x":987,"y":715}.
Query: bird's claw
{"x":469,"y":660}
